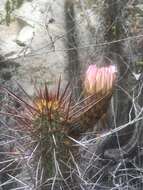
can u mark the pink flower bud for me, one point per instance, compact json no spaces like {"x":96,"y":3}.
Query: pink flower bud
{"x":99,"y":80}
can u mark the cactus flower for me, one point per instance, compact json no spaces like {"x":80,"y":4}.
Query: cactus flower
{"x":99,"y":79}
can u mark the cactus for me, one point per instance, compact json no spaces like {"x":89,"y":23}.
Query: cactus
{"x":98,"y":88}
{"x":45,"y":118}
{"x":54,"y":123}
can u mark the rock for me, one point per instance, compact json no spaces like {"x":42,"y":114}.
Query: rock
{"x":25,"y":36}
{"x":34,"y":39}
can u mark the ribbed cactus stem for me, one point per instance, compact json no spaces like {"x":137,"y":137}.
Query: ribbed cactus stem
{"x":53,"y":151}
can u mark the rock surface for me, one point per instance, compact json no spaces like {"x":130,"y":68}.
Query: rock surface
{"x":33,"y":39}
